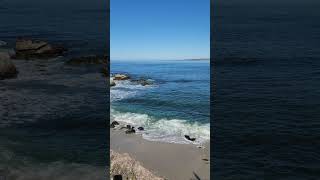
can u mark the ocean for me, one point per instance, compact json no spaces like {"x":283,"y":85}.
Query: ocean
{"x":176,"y":104}
{"x":266,"y":90}
{"x":53,"y":117}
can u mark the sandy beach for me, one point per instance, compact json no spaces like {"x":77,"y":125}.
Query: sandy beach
{"x":166,"y":160}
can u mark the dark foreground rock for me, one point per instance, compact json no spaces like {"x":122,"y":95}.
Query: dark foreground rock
{"x":131,"y":131}
{"x":117,"y":177}
{"x":114,"y":124}
{"x":189,"y":138}
{"x":7,"y":68}
{"x":28,"y":49}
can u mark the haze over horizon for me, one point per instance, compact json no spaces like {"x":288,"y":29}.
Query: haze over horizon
{"x":159,"y":30}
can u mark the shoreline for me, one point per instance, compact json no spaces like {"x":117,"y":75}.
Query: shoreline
{"x":166,"y":160}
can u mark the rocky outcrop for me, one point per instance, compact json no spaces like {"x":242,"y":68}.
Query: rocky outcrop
{"x":189,"y":138}
{"x":120,"y":77}
{"x":114,"y":124}
{"x":7,"y":68}
{"x":28,"y":48}
{"x":130,"y":131}
{"x":143,"y":82}
{"x":129,"y":168}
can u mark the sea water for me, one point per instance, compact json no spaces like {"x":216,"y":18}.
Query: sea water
{"x":174,"y":105}
{"x":53,"y":116}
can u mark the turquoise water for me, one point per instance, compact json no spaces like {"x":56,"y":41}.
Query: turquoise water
{"x":177,"y":103}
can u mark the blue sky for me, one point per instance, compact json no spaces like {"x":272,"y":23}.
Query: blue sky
{"x":159,"y":29}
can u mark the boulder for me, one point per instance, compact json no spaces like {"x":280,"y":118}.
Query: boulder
{"x":114,"y":124}
{"x":7,"y":68}
{"x":117,"y":177}
{"x":189,"y":138}
{"x":131,"y":131}
{"x":120,"y":77}
{"x":28,"y":48}
{"x":140,"y":128}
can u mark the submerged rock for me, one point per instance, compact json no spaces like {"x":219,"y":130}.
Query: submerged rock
{"x":7,"y":68}
{"x":140,"y":128}
{"x":189,"y":138}
{"x":120,"y":77}
{"x":28,"y":48}
{"x":143,"y":82}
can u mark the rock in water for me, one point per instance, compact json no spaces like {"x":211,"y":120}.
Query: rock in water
{"x":140,"y":128}
{"x":28,"y":48}
{"x":120,"y":77}
{"x":131,"y":131}
{"x":189,"y":138}
{"x":114,"y":124}
{"x":7,"y":68}
{"x":143,"y":82}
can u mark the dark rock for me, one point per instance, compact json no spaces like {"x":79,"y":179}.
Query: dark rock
{"x":28,"y":49}
{"x":143,"y":82}
{"x":131,"y":131}
{"x":205,"y":159}
{"x":120,"y":77}
{"x":7,"y":68}
{"x":117,"y":177}
{"x":114,"y":124}
{"x":128,"y":127}
{"x":189,"y":138}
{"x":140,"y":128}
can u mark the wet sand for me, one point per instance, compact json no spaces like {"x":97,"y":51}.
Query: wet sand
{"x":170,"y":161}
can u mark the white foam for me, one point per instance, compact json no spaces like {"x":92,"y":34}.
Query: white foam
{"x":165,"y":130}
{"x":125,"y":89}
